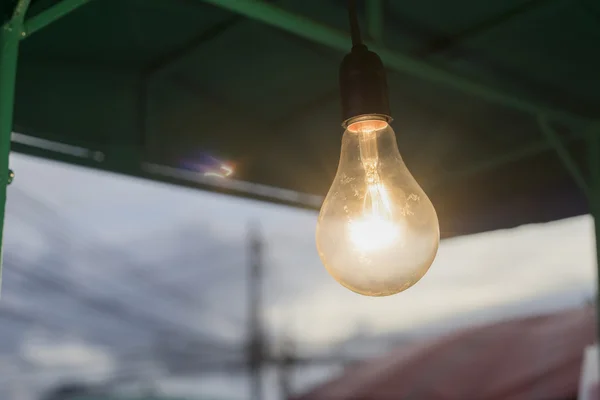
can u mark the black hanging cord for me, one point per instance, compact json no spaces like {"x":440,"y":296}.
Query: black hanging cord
{"x":354,"y":27}
{"x":363,"y":85}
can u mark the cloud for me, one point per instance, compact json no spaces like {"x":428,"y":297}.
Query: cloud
{"x":67,"y":354}
{"x":471,"y":274}
{"x":139,"y":257}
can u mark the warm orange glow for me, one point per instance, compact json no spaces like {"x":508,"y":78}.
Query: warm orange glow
{"x":377,"y":232}
{"x":367,"y":126}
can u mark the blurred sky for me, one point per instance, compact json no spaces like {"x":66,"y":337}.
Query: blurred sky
{"x":186,"y":241}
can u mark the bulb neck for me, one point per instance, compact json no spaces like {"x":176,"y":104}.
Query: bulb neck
{"x":363,"y":86}
{"x":367,"y":123}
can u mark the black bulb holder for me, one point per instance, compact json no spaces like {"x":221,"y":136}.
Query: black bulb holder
{"x":363,"y":85}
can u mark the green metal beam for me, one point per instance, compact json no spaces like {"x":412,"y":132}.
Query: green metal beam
{"x":86,"y":158}
{"x":448,"y":42}
{"x":339,"y":40}
{"x":494,"y":162}
{"x":593,"y":142}
{"x":50,"y":15}
{"x":19,"y":12}
{"x":10,"y":36}
{"x":375,"y":20}
{"x":593,"y":137}
{"x":563,"y":153}
{"x":186,"y":49}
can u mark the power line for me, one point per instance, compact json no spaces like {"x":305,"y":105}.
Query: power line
{"x":111,"y":308}
{"x":49,"y":214}
{"x":40,"y":214}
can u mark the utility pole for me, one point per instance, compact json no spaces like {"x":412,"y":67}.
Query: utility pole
{"x":286,"y":361}
{"x":255,"y":349}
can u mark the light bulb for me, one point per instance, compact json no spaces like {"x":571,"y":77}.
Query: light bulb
{"x":377,"y":232}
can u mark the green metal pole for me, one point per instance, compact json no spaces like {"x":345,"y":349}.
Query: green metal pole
{"x":10,"y":35}
{"x":594,"y":199}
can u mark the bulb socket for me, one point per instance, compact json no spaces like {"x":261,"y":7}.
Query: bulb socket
{"x":363,"y":85}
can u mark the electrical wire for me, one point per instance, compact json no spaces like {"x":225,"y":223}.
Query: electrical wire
{"x":354,"y":25}
{"x":53,"y":216}
{"x":214,"y":356}
{"x":225,"y":358}
{"x":108,"y":307}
